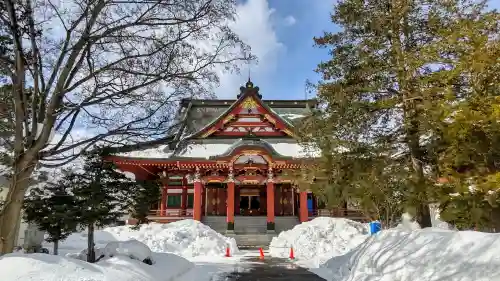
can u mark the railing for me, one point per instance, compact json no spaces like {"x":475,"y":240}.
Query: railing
{"x":351,"y":214}
{"x":179,"y":213}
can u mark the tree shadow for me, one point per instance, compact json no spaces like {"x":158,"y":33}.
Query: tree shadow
{"x":422,"y":255}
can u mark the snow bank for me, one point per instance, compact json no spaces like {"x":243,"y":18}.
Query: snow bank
{"x":131,"y":248}
{"x":82,"y":255}
{"x":188,"y":238}
{"x":43,"y":267}
{"x":420,"y":255}
{"x":319,"y":239}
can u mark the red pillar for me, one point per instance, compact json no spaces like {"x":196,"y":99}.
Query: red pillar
{"x":230,"y":202}
{"x":163,"y":203}
{"x":303,"y":212}
{"x":184,"y":197}
{"x":270,"y":201}
{"x":197,"y":197}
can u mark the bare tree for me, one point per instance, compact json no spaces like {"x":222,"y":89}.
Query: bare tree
{"x":112,"y":67}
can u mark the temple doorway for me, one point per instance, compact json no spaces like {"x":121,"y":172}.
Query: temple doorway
{"x":251,"y":202}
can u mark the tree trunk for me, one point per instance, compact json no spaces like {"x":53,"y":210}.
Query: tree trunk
{"x":11,"y":213}
{"x":90,"y":244}
{"x":56,"y":247}
{"x":423,"y":215}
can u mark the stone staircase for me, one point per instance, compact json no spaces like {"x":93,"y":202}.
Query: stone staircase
{"x":216,"y":223}
{"x":250,"y":225}
{"x":250,"y":232}
{"x":249,"y":241}
{"x":285,"y":223}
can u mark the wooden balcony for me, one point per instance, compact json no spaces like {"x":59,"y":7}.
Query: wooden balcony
{"x":170,"y":215}
{"x":352,"y":214}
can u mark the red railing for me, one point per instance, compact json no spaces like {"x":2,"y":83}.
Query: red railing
{"x":352,"y":214}
{"x":172,"y":213}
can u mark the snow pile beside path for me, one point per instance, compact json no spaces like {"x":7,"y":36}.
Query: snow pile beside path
{"x":43,"y":267}
{"x":319,"y":239}
{"x":421,"y":255}
{"x":131,"y":248}
{"x":188,"y":238}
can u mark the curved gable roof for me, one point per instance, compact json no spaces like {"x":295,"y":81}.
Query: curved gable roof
{"x":248,"y":91}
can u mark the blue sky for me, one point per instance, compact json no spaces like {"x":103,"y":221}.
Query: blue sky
{"x":299,"y":58}
{"x":280,"y":33}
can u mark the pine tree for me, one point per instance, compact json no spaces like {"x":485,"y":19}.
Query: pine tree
{"x":385,"y":90}
{"x":54,"y":209}
{"x":103,"y":195}
{"x":470,"y":130}
{"x":145,"y":194}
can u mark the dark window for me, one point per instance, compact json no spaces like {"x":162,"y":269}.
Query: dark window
{"x":174,"y":200}
{"x":190,"y":200}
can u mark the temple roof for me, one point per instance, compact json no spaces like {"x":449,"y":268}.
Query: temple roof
{"x":202,"y":149}
{"x":196,"y":114}
{"x":208,"y":129}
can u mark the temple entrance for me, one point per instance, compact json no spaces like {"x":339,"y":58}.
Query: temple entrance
{"x":251,"y":202}
{"x":250,"y":205}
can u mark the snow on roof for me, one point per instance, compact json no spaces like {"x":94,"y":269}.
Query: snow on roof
{"x":196,"y":150}
{"x":203,"y":150}
{"x":161,"y":151}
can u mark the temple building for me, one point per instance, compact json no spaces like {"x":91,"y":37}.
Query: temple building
{"x":227,"y":160}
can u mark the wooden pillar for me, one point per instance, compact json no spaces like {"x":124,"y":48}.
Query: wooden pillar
{"x":230,"y":201}
{"x":163,"y":202}
{"x":303,"y":212}
{"x":184,"y":196}
{"x":197,"y":196}
{"x":230,"y":194}
{"x":270,"y":199}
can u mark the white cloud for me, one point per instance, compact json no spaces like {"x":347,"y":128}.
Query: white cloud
{"x":290,"y":20}
{"x":254,"y":25}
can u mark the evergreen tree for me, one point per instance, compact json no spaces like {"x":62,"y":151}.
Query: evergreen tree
{"x":470,"y":128}
{"x":103,"y":195}
{"x":144,"y":195}
{"x":54,"y":209}
{"x":385,"y":90}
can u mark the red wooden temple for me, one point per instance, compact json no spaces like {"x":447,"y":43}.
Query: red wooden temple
{"x":228,"y":158}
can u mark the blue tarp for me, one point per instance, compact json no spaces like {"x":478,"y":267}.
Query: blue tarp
{"x":309,"y":204}
{"x":375,"y":226}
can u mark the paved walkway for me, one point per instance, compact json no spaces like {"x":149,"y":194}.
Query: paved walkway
{"x":272,"y":269}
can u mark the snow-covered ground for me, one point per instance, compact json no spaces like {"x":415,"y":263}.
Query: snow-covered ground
{"x":419,"y":255}
{"x":179,"y":251}
{"x":43,"y":267}
{"x":318,"y":240}
{"x":341,"y":250}
{"x":187,"y":238}
{"x":334,"y":248}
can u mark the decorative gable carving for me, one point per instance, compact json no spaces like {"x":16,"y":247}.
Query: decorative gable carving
{"x":247,"y":116}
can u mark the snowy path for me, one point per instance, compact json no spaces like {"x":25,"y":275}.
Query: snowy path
{"x":272,"y":269}
{"x":248,"y":267}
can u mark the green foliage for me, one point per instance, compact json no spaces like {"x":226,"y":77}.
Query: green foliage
{"x":397,"y":71}
{"x":469,"y":131}
{"x":103,"y":195}
{"x":145,"y":194}
{"x":54,"y":209}
{"x":102,"y":191}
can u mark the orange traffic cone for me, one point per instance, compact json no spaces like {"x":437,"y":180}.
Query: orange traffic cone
{"x":291,"y":254}
{"x":228,"y":252}
{"x":261,"y":254}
